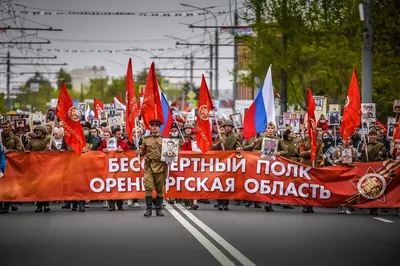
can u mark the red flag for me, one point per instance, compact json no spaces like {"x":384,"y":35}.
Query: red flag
{"x":396,"y":132}
{"x":132,"y":102}
{"x":151,"y":106}
{"x":311,"y":124}
{"x":352,"y":109}
{"x":204,"y":138}
{"x":73,"y":133}
{"x":98,"y":106}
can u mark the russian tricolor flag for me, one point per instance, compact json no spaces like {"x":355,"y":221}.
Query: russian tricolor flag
{"x":167,"y":114}
{"x":262,"y":110}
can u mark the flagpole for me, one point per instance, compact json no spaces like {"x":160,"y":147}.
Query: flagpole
{"x":180,"y":131}
{"x":365,"y":140}
{"x":334,"y":130}
{"x":219,"y":132}
{"x":52,"y":132}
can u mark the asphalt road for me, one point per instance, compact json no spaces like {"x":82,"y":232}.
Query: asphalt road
{"x":241,"y":236}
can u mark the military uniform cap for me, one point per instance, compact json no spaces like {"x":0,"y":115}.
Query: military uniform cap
{"x":40,"y":128}
{"x":288,"y":128}
{"x":270,"y":124}
{"x":156,"y":122}
{"x":372,"y":131}
{"x":174,"y":125}
{"x":188,"y":125}
{"x":228,"y":123}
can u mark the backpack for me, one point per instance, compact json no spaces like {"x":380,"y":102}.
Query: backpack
{"x":2,"y":160}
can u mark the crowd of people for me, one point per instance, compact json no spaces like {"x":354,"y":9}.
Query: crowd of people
{"x":296,"y":146}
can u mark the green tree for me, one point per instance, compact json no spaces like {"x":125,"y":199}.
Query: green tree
{"x":317,"y":43}
{"x":63,"y":75}
{"x":3,"y":108}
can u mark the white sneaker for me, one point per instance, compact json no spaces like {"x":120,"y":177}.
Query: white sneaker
{"x":130,"y":202}
{"x":340,"y":211}
{"x":136,"y":205}
{"x":105,"y":204}
{"x":347,"y":212}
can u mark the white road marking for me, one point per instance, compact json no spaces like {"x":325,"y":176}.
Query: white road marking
{"x":231,"y":249}
{"x":383,"y":220}
{"x":224,"y":260}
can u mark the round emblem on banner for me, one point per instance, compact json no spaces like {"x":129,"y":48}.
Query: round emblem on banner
{"x":371,"y":186}
{"x":73,"y":114}
{"x":203,"y":112}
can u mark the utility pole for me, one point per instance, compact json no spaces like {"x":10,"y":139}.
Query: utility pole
{"x":211,"y":71}
{"x":102,"y":89}
{"x":8,"y":99}
{"x":82,"y":98}
{"x":284,"y":48}
{"x":366,"y":84}
{"x":216,"y":44}
{"x":235,"y":56}
{"x":216,"y":63}
{"x":191,"y":72}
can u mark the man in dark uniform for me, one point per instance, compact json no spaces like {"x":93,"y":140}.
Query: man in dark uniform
{"x":376,"y":152}
{"x":270,"y":132}
{"x":229,"y":141}
{"x":154,"y":168}
{"x":12,"y":144}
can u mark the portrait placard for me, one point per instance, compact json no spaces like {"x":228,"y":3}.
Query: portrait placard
{"x":268,"y":148}
{"x":103,"y":117}
{"x":36,"y":119}
{"x":334,"y":118}
{"x":396,"y":106}
{"x":280,"y":123}
{"x":347,"y":156}
{"x":83,"y":106}
{"x":112,"y":144}
{"x":20,"y":127}
{"x":328,"y":155}
{"x":334,"y":107}
{"x":169,"y":150}
{"x":391,"y":121}
{"x":95,"y":123}
{"x":390,"y":132}
{"x":237,"y":120}
{"x":115,"y":122}
{"x":368,"y":112}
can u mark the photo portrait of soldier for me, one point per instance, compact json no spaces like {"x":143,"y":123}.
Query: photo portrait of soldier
{"x":334,"y":119}
{"x":20,"y":128}
{"x":237,"y":120}
{"x":368,"y":112}
{"x":50,"y":115}
{"x":269,"y":148}
{"x":169,"y":151}
{"x":396,"y":106}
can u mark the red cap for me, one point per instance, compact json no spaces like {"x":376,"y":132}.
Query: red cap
{"x":180,"y":119}
{"x":193,"y":131}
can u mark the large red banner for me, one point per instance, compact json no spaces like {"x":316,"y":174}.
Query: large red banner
{"x":51,"y":176}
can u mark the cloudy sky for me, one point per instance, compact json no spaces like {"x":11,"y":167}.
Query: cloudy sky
{"x":142,"y":32}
